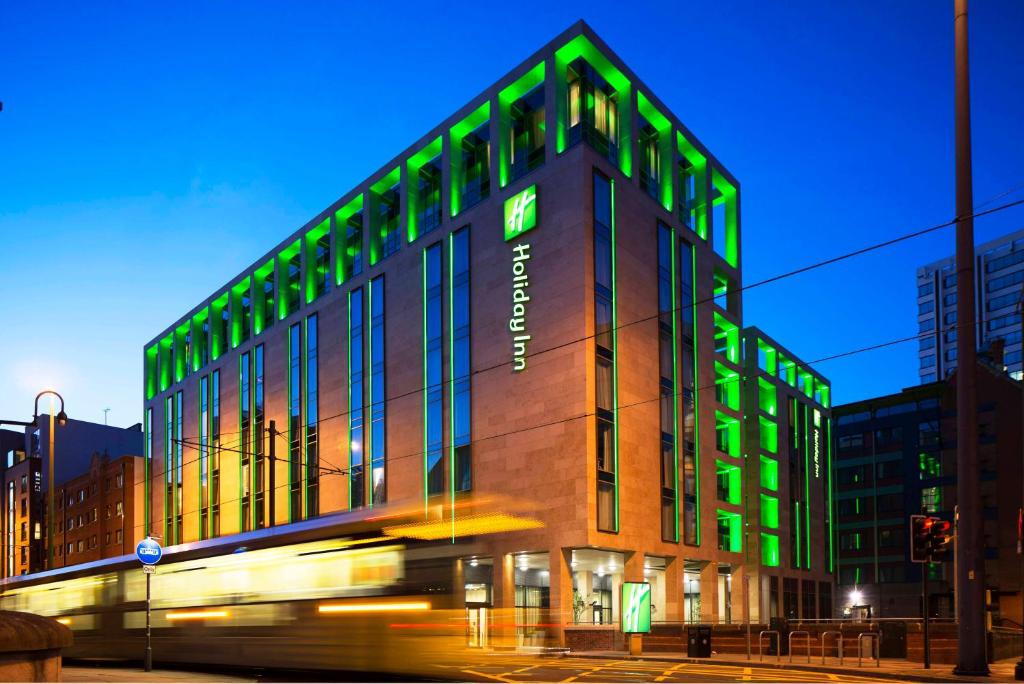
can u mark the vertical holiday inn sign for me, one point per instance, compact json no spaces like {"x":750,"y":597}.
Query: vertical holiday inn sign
{"x":520,"y":217}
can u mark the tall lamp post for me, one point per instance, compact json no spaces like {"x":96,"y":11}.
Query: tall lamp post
{"x":62,"y":419}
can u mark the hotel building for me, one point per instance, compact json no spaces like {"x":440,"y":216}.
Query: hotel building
{"x":536,"y":303}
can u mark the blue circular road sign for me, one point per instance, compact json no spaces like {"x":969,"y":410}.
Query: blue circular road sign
{"x":149,"y":552}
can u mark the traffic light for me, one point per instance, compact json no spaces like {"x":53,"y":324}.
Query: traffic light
{"x":920,"y":536}
{"x":939,"y":537}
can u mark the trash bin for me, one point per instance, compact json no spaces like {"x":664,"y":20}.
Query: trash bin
{"x":780,"y":625}
{"x":698,"y":641}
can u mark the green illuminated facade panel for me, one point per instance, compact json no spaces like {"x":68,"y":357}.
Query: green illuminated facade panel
{"x":181,"y":350}
{"x":769,"y":473}
{"x":654,"y":140}
{"x":767,"y":397}
{"x":770,"y":550}
{"x":725,"y":211}
{"x":727,"y":338}
{"x":521,"y":126}
{"x":241,"y":312}
{"x":348,"y":240}
{"x":769,"y":511}
{"x":150,"y":371}
{"x":594,"y":103}
{"x":423,"y":198}
{"x":289,"y":280}
{"x":219,"y":326}
{"x":727,"y":386}
{"x":263,"y":311}
{"x":317,"y":257}
{"x":470,"y":150}
{"x":730,"y":482}
{"x":727,"y":438}
{"x":166,"y":362}
{"x":730,"y":531}
{"x":384,"y":212}
{"x":692,"y":204}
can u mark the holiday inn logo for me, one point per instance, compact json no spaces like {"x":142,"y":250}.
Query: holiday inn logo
{"x":521,"y":213}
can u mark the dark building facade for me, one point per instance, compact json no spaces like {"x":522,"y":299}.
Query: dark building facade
{"x":532,"y":304}
{"x":896,"y":457}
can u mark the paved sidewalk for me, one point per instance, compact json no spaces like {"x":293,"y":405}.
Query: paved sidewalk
{"x":88,"y":673}
{"x":1001,"y":671}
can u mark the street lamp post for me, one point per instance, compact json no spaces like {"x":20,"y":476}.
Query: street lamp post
{"x":62,"y":419}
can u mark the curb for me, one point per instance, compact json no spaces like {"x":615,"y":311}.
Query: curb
{"x":911,"y":676}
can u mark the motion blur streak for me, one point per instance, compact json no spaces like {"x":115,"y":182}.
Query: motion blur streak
{"x":197,"y":615}
{"x":474,"y":524}
{"x":371,"y":607}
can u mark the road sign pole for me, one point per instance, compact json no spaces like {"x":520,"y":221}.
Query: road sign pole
{"x":148,"y":662}
{"x":924,"y":613}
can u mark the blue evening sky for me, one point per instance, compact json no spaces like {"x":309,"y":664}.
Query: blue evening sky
{"x":150,"y":151}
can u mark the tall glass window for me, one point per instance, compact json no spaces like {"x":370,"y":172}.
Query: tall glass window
{"x":179,"y":401}
{"x":244,"y":442}
{"x":259,"y":439}
{"x":428,"y":196}
{"x":204,"y":456}
{"x":312,"y":420}
{"x":687,"y":371}
{"x":378,"y":445}
{"x":667,"y":382}
{"x":215,"y":454}
{"x":356,"y":395}
{"x":389,"y":206}
{"x":604,"y":338}
{"x":293,"y":287}
{"x":650,"y":158}
{"x":169,"y":469}
{"x":458,"y":288}
{"x":433,"y":405}
{"x":149,"y":466}
{"x":295,"y":470}
{"x":593,"y":110}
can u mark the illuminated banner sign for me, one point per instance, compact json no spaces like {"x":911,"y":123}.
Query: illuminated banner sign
{"x":817,"y":444}
{"x":520,"y":217}
{"x":636,"y":607}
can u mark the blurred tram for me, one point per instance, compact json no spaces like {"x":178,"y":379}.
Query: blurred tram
{"x":335,"y":592}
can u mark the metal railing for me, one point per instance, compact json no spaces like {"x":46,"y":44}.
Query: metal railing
{"x":875,"y":639}
{"x":807,"y":637}
{"x":839,"y":644}
{"x":760,"y":644}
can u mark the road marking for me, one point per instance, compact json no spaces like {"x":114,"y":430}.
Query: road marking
{"x":497,"y":678}
{"x":665,"y":675}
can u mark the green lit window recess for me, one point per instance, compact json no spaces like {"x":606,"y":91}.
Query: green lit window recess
{"x":724,"y":219}
{"x":241,"y":312}
{"x":769,"y":550}
{"x":822,"y":394}
{"x":730,"y":531}
{"x":263,"y":297}
{"x":200,"y":340}
{"x":726,"y":292}
{"x":693,"y":187}
{"x":317,"y":247}
{"x":768,"y":434}
{"x":929,"y":465}
{"x":805,"y":382}
{"x":769,"y":473}
{"x":730,"y":489}
{"x":289,"y":280}
{"x":593,"y":103}
{"x":166,"y":361}
{"x":219,"y":326}
{"x":727,"y":338}
{"x":769,"y":512}
{"x":727,"y":386}
{"x":727,"y":434}
{"x":654,"y":137}
{"x":182,"y":350}
{"x":767,"y":358}
{"x":384,"y":210}
{"x":151,"y":371}
{"x":851,"y":541}
{"x":767,"y":397}
{"x":348,"y":240}
{"x":423,"y":171}
{"x":787,"y":371}
{"x":522,"y":133}
{"x":470,"y":151}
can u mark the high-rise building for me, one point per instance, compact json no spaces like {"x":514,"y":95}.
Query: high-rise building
{"x":518,"y":326}
{"x":896,"y":457}
{"x":999,"y":286}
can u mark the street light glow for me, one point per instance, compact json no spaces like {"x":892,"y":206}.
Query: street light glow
{"x":856,"y":597}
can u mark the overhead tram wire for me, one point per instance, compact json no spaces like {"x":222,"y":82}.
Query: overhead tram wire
{"x":702,"y":388}
{"x":789,"y":274}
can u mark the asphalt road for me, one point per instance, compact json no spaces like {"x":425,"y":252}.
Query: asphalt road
{"x":520,"y":668}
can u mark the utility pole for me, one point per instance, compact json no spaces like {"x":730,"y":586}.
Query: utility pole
{"x":972,"y":659}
